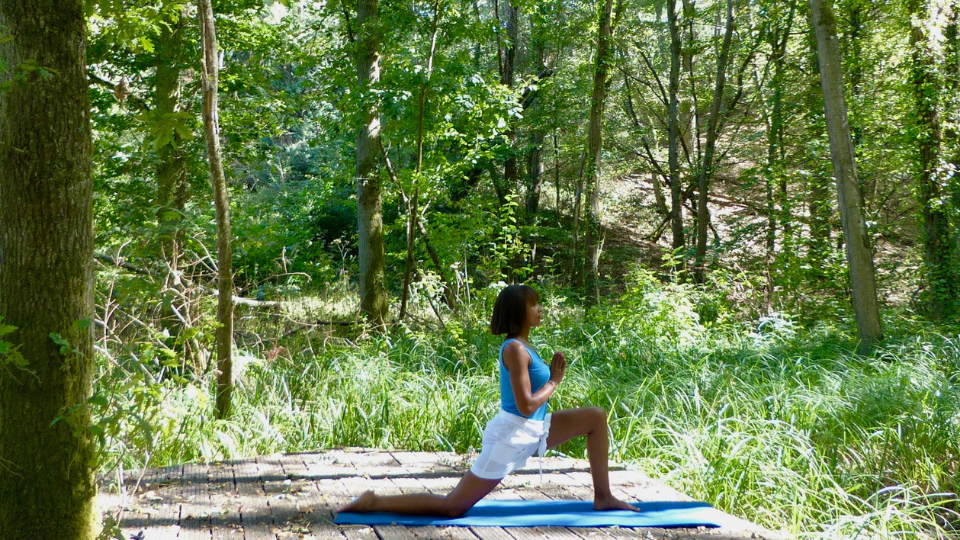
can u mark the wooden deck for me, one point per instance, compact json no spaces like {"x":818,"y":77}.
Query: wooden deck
{"x":294,"y":496}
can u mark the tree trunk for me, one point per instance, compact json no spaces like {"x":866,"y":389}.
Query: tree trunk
{"x":706,"y":169}
{"x":511,"y":173}
{"x":172,"y":187}
{"x":776,"y":151}
{"x":448,"y":291}
{"x":535,"y":166}
{"x":595,"y":141}
{"x":689,"y":130}
{"x":818,"y":196}
{"x":211,"y":125}
{"x":414,"y":216}
{"x":859,"y":252}
{"x":373,"y":294}
{"x":673,"y":140}
{"x":47,"y":487}
{"x":536,"y":172}
{"x":854,"y":40}
{"x":939,"y":242}
{"x":952,"y":88}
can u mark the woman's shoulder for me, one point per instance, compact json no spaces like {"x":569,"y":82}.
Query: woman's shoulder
{"x":515,"y":348}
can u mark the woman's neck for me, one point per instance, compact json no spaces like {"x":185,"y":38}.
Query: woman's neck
{"x":523,"y":335}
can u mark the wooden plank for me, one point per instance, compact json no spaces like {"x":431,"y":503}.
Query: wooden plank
{"x":225,"y":522}
{"x":283,"y":505}
{"x":164,"y":498}
{"x":491,"y":533}
{"x":359,"y":532}
{"x":255,"y":517}
{"x":314,"y":506}
{"x":194,"y":519}
{"x":328,"y":465}
{"x":394,"y":532}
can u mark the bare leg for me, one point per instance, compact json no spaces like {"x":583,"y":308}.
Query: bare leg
{"x":471,"y":489}
{"x":592,"y":422}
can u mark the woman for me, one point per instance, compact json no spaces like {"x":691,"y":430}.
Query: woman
{"x":521,"y":428}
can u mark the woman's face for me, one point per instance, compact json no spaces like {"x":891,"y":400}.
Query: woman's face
{"x":534,"y":311}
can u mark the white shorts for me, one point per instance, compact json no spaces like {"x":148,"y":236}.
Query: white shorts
{"x":508,"y":441}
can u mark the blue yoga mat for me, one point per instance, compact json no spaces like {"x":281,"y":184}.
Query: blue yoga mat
{"x":490,"y":513}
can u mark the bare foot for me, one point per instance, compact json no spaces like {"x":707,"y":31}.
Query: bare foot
{"x":613,"y":503}
{"x":363,"y":503}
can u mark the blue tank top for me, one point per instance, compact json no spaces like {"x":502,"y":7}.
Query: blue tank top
{"x":539,"y":375}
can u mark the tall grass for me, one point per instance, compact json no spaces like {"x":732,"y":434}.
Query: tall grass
{"x":775,"y":421}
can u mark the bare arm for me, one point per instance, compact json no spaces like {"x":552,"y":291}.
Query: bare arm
{"x":517,"y":360}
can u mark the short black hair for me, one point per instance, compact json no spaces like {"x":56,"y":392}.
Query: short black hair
{"x":510,"y":309}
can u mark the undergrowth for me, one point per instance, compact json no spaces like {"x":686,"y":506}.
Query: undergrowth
{"x":773,"y":419}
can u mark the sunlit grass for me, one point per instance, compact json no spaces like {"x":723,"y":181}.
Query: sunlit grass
{"x":778,"y":423}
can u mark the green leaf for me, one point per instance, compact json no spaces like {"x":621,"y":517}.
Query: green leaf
{"x":98,"y":399}
{"x":6,"y":329}
{"x":18,"y":360}
{"x":63,"y":343}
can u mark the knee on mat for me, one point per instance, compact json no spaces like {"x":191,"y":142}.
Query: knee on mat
{"x":455,"y":511}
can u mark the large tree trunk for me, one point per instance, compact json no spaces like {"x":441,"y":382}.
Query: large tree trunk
{"x":595,"y":140}
{"x":713,"y":131}
{"x":373,"y":294}
{"x":859,"y":252}
{"x":211,"y":124}
{"x":47,"y":488}
{"x":673,"y":139}
{"x":939,"y":243}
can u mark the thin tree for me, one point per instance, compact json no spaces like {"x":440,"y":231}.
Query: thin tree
{"x":939,"y":238}
{"x":601,"y":76}
{"x":535,"y":164}
{"x":952,"y":88}
{"x":507,"y":54}
{"x":778,"y":36}
{"x":713,"y":130}
{"x":857,"y":241}
{"x":172,"y":186}
{"x":211,"y":125}
{"x":373,"y":294}
{"x":47,"y":457}
{"x":414,"y":212}
{"x":673,"y":137}
{"x":821,"y":220}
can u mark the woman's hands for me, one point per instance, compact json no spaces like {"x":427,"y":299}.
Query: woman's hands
{"x":558,"y":367}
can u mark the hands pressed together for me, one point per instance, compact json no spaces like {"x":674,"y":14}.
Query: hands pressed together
{"x":558,"y":367}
